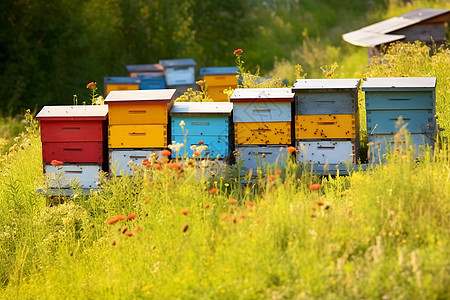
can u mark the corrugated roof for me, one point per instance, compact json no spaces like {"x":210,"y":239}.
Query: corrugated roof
{"x":398,"y":83}
{"x":378,"y":33}
{"x":325,"y":84}
{"x":183,"y":108}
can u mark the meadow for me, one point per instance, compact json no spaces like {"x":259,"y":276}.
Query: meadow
{"x":191,"y":232}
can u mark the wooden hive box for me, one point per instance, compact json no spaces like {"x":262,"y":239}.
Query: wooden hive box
{"x":208,"y":122}
{"x":152,"y":81}
{"x":121,"y":160}
{"x":393,"y":99}
{"x":139,"y":119}
{"x":262,"y":116}
{"x":77,"y":136}
{"x":120,"y":84}
{"x":218,"y":79}
{"x":258,"y":155}
{"x":144,"y":69}
{"x":179,"y":71}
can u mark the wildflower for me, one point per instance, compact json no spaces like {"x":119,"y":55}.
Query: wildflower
{"x":121,"y":217}
{"x":320,"y":203}
{"x":225,"y":216}
{"x":258,"y":220}
{"x":195,"y":154}
{"x":278,"y":171}
{"x":148,"y":165}
{"x":212,"y":191}
{"x":145,"y":161}
{"x":201,"y":142}
{"x":250,"y":203}
{"x":272,"y":177}
{"x":176,"y":146}
{"x":232,"y":201}
{"x":207,"y":205}
{"x":174,"y":166}
{"x":137,"y":229}
{"x":291,"y":149}
{"x":91,"y":84}
{"x":157,"y":166}
{"x":313,"y":208}
{"x":242,"y":216}
{"x":113,"y":220}
{"x":182,"y":123}
{"x":165,"y":153}
{"x":200,"y":82}
{"x":128,"y":233}
{"x":56,"y":163}
{"x":238,"y":51}
{"x":313,"y":215}
{"x":131,"y":217}
{"x":329,"y":74}
{"x":315,"y":186}
{"x":185,"y":211}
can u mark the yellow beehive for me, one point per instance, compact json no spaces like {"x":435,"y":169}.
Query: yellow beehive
{"x":137,"y":136}
{"x":138,"y":113}
{"x":219,"y":78}
{"x":216,"y":93}
{"x":121,"y":87}
{"x":257,"y":133}
{"x":325,"y":126}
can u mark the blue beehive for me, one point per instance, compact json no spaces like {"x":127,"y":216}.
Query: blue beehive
{"x":152,"y":81}
{"x":389,"y":100}
{"x":208,"y":122}
{"x":179,"y":71}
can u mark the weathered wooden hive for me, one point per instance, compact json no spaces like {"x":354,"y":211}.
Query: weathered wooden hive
{"x":120,"y":84}
{"x":262,"y":124}
{"x":76,"y":136}
{"x":138,"y":125}
{"x":327,"y":123}
{"x":206,"y":123}
{"x":218,"y":79}
{"x":392,"y":100}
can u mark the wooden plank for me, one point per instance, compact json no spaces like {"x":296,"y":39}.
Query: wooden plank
{"x":325,"y":127}
{"x":221,"y":80}
{"x":394,"y":100}
{"x":258,"y":133}
{"x":62,"y":176}
{"x":200,"y":125}
{"x":119,"y":159}
{"x":73,"y":131}
{"x":73,"y":152}
{"x":317,"y":103}
{"x":253,"y":156}
{"x":326,"y":152}
{"x":138,"y":113}
{"x":385,"y":121}
{"x":137,"y":136}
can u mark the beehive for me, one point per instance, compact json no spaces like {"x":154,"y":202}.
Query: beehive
{"x":262,"y":118}
{"x":327,"y":122}
{"x":120,"y":84}
{"x":77,"y":136}
{"x":152,"y":81}
{"x":395,"y":101}
{"x":179,"y":71}
{"x":138,"y":120}
{"x":208,"y":122}
{"x":218,"y":79}
{"x":144,"y":69}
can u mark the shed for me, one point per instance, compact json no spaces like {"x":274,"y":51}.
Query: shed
{"x":424,"y":24}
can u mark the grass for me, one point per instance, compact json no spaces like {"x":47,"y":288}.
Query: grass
{"x":380,"y":233}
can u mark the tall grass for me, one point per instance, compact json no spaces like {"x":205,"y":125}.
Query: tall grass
{"x":199,"y":233}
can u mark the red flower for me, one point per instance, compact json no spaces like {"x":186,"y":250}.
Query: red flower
{"x":128,"y":233}
{"x":121,"y":217}
{"x":315,"y":186}
{"x":174,"y":166}
{"x":238,"y":51}
{"x":250,"y":203}
{"x":272,"y":177}
{"x":56,"y":163}
{"x":184,"y":211}
{"x":278,"y":171}
{"x":320,"y":203}
{"x":196,"y":153}
{"x":165,"y":153}
{"x":201,"y":142}
{"x":112,"y":220}
{"x":232,"y":201}
{"x":131,"y":217}
{"x":90,"y":84}
{"x":207,"y":205}
{"x":148,"y":165}
{"x":200,"y":82}
{"x":145,"y":161}
{"x":157,"y":166}
{"x":291,"y":149}
{"x":212,"y":191}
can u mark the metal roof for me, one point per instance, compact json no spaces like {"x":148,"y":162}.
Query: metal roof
{"x":163,"y":95}
{"x":219,"y":70}
{"x":261,"y":94}
{"x":184,"y":62}
{"x":378,"y":33}
{"x":398,"y":83}
{"x":144,"y":68}
{"x":76,"y":111}
{"x":326,"y":84}
{"x":187,"y":108}
{"x":121,"y":80}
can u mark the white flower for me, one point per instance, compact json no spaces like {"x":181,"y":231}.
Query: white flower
{"x":175,"y":146}
{"x":193,"y":147}
{"x":201,"y":148}
{"x":182,"y":124}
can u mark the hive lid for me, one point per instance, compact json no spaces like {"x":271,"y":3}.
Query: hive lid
{"x":184,"y":62}
{"x":399,"y":83}
{"x":157,"y":68}
{"x":262,"y":95}
{"x":141,"y":96}
{"x":202,"y":108}
{"x":78,"y":112}
{"x":325,"y":85}
{"x":121,"y":80}
{"x":219,"y":71}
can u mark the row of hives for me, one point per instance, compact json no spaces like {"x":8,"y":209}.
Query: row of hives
{"x":320,"y":118}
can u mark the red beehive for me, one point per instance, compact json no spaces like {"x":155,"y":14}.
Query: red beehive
{"x":74,"y":134}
